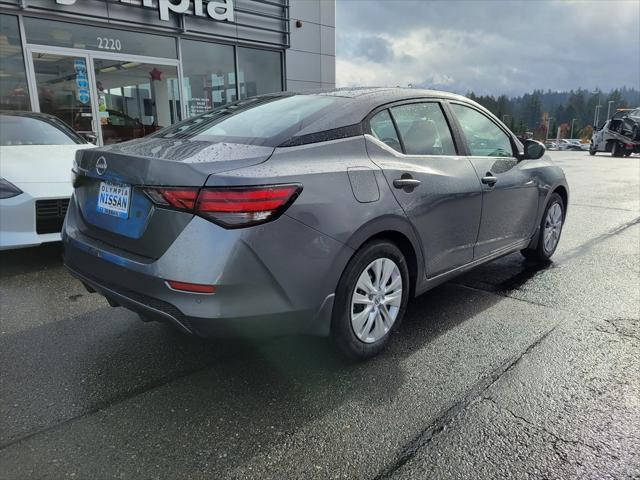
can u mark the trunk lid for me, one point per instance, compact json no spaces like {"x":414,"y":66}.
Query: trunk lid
{"x":178,"y":162}
{"x":146,"y":229}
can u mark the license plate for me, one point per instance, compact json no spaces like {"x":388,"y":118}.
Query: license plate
{"x":113,"y":199}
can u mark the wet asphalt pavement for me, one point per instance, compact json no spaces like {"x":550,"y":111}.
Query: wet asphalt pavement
{"x":506,"y":372}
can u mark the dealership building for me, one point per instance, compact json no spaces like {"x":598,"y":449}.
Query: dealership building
{"x":121,"y":69}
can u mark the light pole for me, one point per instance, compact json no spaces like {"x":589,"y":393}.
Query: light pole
{"x":597,"y":110}
{"x":546,"y":135}
{"x":609,"y":109}
{"x":572,"y":122}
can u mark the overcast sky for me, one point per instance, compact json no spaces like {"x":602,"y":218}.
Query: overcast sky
{"x":491,"y":47}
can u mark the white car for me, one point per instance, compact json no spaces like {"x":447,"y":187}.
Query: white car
{"x":570,"y":144}
{"x":36,"y":156}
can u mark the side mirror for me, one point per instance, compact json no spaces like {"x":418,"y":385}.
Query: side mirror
{"x":90,"y":137}
{"x":533,"y":149}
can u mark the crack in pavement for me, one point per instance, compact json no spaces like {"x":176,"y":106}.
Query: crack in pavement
{"x":602,"y":206}
{"x":504,"y":288}
{"x":618,"y":330}
{"x":454,"y":411}
{"x":589,"y":244}
{"x":502,"y":294}
{"x":556,"y":438}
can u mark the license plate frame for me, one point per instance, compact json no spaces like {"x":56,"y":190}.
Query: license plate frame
{"x":114,"y":199}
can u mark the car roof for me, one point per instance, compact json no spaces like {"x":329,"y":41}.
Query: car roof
{"x":24,"y":113}
{"x":50,"y":119}
{"x":370,"y":93}
{"x":360,"y":101}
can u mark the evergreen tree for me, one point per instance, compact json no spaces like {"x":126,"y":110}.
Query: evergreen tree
{"x":525,"y":113}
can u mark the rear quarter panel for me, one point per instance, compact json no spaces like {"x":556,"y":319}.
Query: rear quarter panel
{"x":328,"y":203}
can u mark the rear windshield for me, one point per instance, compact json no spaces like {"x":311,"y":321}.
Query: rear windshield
{"x":265,"y":121}
{"x":26,"y":130}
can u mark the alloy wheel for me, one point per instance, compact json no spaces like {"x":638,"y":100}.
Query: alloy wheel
{"x":376,"y":300}
{"x":552,"y":227}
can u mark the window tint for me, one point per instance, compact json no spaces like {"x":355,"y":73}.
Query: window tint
{"x":383,"y":129}
{"x":423,"y":129}
{"x":19,"y":130}
{"x":267,"y":121}
{"x":484,"y":137}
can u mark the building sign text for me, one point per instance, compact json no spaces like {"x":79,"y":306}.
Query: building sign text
{"x":220,"y":10}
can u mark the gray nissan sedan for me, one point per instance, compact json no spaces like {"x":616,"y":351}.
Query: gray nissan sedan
{"x":320,"y":213}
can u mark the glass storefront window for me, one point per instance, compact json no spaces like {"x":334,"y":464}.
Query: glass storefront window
{"x":135,"y":99}
{"x":259,"y":71}
{"x":14,"y":94}
{"x":129,"y":98}
{"x":209,"y":75}
{"x":63,"y":89}
{"x":88,"y":37}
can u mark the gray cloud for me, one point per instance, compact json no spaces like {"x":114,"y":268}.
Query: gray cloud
{"x":489,"y":46}
{"x":369,"y":47}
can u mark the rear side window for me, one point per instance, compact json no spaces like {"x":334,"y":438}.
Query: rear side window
{"x":383,"y":129}
{"x":266,"y":121}
{"x":484,"y":138}
{"x":423,"y":129}
{"x":24,"y":130}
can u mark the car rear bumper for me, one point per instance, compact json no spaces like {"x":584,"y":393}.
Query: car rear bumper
{"x":150,"y":308}
{"x":263,"y":286}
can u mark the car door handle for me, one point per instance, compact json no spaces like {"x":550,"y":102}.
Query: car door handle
{"x":489,"y":179}
{"x":406,"y":183}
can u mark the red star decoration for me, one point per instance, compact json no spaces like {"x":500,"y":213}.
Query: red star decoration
{"x":155,"y":74}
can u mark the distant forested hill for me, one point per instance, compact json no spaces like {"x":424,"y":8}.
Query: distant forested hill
{"x":529,"y":112}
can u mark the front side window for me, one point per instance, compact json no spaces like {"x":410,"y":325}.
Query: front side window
{"x":383,"y":129}
{"x":265,"y":121}
{"x":423,"y":129}
{"x":14,"y":94}
{"x":26,"y":130}
{"x":484,"y":138}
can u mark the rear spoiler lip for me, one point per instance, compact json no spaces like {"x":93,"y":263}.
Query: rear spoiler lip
{"x":152,"y":171}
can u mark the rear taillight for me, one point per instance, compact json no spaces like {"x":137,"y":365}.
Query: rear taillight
{"x":229,"y":207}
{"x":240,"y":207}
{"x":179,"y":198}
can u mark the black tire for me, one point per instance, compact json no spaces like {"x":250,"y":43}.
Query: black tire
{"x":342,"y":331}
{"x":540,"y":253}
{"x":592,"y":149}
{"x":628,"y":153}
{"x":617,"y":149}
